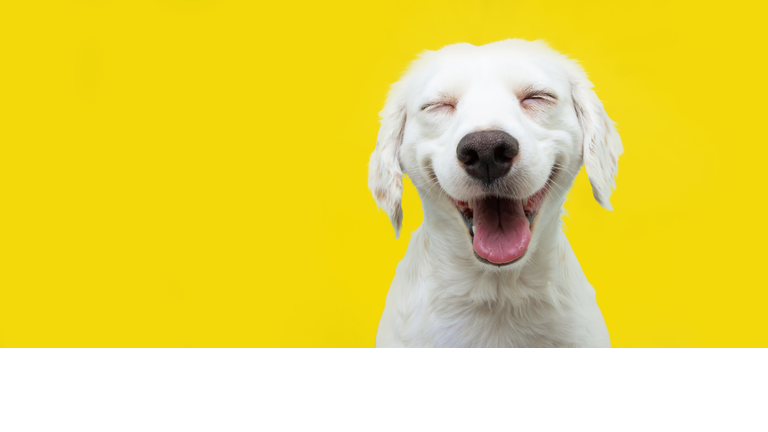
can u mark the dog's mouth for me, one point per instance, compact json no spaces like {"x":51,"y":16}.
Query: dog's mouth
{"x":499,"y":227}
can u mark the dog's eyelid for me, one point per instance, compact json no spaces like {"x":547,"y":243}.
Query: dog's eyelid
{"x":440,"y":100}
{"x":541,"y":95}
{"x":438,"y":104}
{"x":536,"y":92}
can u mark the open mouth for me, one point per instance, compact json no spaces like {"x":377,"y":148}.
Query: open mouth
{"x":500,"y":227}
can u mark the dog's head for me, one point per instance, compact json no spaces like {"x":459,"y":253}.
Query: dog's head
{"x":493,"y":136}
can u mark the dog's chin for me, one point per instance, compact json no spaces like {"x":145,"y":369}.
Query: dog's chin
{"x":500,"y":228}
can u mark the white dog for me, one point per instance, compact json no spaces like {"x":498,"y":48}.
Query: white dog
{"x":492,"y":136}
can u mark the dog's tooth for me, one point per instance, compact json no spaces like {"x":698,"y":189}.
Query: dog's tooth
{"x":473,"y":229}
{"x":469,"y":204}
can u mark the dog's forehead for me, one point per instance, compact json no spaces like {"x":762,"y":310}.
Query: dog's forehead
{"x":458,"y":67}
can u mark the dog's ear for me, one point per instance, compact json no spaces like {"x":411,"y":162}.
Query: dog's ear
{"x":385,"y":176}
{"x":602,"y":144}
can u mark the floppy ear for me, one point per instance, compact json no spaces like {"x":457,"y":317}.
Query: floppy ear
{"x":602,"y":145}
{"x":385,"y":176}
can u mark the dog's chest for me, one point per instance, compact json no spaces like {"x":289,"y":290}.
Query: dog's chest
{"x":495,"y":321}
{"x":504,"y":326}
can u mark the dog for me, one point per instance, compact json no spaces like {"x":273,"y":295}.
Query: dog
{"x":492,"y":137}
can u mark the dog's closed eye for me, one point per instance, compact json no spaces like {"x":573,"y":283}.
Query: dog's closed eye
{"x":535,"y":100}
{"x":444,"y":104}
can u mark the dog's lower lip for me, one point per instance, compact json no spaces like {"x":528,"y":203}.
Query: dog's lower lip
{"x":485,"y":261}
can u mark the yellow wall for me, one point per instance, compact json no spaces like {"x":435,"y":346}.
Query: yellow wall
{"x":193,"y":173}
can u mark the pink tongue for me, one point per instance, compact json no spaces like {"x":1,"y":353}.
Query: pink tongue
{"x":502,"y":232}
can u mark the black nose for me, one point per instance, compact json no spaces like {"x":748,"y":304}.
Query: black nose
{"x":487,"y":155}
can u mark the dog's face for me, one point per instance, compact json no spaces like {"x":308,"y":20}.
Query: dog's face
{"x":493,"y":136}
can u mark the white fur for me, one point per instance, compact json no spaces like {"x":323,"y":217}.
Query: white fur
{"x":441,"y":294}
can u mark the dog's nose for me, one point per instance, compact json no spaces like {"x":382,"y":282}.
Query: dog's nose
{"x":487,"y":155}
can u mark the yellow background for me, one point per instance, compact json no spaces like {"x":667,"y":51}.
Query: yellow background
{"x":193,"y":173}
